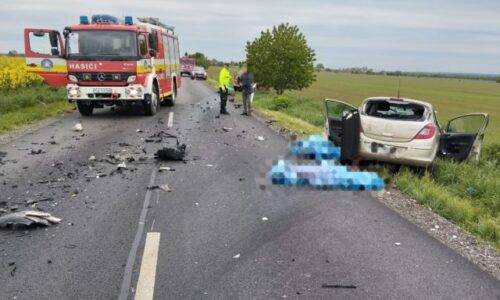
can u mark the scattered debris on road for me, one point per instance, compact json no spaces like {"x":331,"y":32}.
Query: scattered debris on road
{"x":36,"y":152}
{"x":121,"y":166}
{"x":176,"y":153}
{"x":237,"y":256}
{"x":264,"y":219}
{"x":92,"y":158}
{"x":78,"y":127}
{"x":164,"y":169}
{"x":165,"y":188}
{"x":226,"y":129}
{"x":28,"y":218}
{"x":259,"y":138}
{"x":33,"y":201}
{"x":397,"y":243}
{"x":337,"y":286}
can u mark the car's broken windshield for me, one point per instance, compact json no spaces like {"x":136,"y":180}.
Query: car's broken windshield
{"x":395,"y":110}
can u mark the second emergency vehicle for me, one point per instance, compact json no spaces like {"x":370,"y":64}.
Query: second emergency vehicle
{"x":106,"y":61}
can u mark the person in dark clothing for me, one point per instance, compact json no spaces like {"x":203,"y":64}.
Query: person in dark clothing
{"x":246,"y":80}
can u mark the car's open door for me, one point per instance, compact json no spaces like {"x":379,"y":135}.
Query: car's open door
{"x":463,"y":137}
{"x":44,"y":50}
{"x":334,"y":110}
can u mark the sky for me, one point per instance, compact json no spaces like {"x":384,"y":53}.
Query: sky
{"x":461,"y":36}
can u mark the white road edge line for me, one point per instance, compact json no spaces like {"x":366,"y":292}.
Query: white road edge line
{"x":129,"y":267}
{"x":170,"y":121}
{"x":146,"y":282}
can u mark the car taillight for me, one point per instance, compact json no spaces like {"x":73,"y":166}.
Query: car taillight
{"x":426,"y":133}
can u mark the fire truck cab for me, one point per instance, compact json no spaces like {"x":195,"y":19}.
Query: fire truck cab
{"x":108,"y":62}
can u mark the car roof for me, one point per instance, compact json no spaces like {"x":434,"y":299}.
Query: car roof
{"x":427,"y":104}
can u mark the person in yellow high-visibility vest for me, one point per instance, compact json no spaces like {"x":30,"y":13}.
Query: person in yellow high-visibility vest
{"x":224,"y":83}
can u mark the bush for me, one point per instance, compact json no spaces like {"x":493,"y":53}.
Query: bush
{"x":281,"y":102}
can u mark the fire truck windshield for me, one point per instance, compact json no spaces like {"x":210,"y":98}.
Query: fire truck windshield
{"x":101,"y":45}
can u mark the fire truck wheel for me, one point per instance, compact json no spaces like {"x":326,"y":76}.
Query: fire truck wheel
{"x":85,"y":107}
{"x":170,"y":100}
{"x":151,"y":105}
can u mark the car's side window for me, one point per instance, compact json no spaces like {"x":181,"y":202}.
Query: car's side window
{"x":335,"y":110}
{"x":466,"y":124}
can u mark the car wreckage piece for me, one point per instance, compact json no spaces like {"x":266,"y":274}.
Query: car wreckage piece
{"x":28,"y":218}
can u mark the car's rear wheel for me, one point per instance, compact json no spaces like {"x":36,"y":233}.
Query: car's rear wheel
{"x":85,"y":107}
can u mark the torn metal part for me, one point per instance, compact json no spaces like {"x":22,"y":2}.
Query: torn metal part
{"x":78,"y":127}
{"x":33,"y":201}
{"x":28,"y":218}
{"x":171,"y":153}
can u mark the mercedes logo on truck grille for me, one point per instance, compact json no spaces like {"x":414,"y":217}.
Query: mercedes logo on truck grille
{"x":101,"y":76}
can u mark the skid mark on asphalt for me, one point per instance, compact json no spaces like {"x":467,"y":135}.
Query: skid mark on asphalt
{"x":170,"y":122}
{"x":146,"y":283}
{"x":127,"y":276}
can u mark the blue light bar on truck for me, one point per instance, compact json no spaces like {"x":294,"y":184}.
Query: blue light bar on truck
{"x":84,"y":20}
{"x":105,"y":19}
{"x":129,"y":20}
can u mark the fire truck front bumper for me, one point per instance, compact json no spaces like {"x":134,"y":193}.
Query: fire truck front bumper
{"x":133,"y":92}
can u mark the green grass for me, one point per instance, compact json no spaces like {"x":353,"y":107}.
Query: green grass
{"x":466,"y":194}
{"x":27,"y":105}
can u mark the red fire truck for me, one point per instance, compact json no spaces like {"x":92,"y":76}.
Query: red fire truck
{"x":108,"y":62}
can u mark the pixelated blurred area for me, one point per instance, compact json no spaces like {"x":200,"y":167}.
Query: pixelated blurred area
{"x":314,"y":163}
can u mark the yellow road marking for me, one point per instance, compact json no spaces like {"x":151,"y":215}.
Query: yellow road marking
{"x":147,"y":275}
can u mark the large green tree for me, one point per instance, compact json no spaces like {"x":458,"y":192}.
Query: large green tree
{"x":281,"y":59}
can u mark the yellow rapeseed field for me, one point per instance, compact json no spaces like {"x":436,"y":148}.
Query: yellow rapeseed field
{"x":13,"y":74}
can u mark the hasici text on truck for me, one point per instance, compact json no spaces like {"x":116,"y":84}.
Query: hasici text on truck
{"x":108,"y":62}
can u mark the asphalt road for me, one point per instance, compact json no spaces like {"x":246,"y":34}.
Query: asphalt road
{"x":217,"y":234}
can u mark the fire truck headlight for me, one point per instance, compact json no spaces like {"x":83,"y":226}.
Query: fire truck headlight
{"x":72,"y":78}
{"x":133,"y":92}
{"x":73,"y":92}
{"x":131,"y":79}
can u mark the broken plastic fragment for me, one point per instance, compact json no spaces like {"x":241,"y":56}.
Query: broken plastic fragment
{"x":161,"y":169}
{"x":78,"y":127}
{"x":237,"y":256}
{"x":165,"y":187}
{"x":92,"y":158}
{"x":122,"y":166}
{"x":264,"y":219}
{"x":259,"y":138}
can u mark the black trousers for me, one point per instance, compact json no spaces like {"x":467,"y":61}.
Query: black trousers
{"x":223,"y":99}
